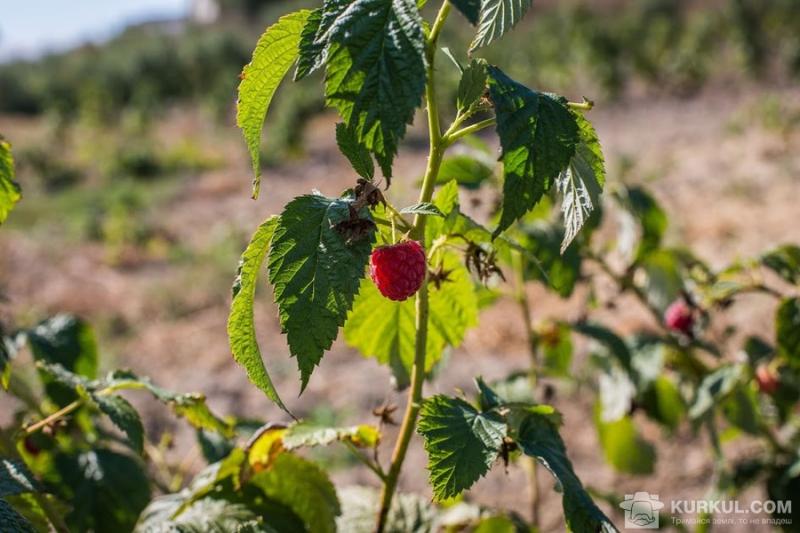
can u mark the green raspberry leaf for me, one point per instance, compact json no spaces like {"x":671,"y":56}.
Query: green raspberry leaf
{"x":496,"y":18}
{"x":304,"y":488}
{"x":124,"y":416}
{"x":608,"y":341}
{"x":424,"y":208}
{"x":538,"y":134}
{"x":107,"y":490}
{"x":317,"y":259}
{"x":384,"y":329}
{"x":67,"y":341}
{"x":470,"y":9}
{"x":472,"y":85}
{"x":555,"y":270}
{"x":56,"y":373}
{"x":14,"y":521}
{"x":645,"y":213}
{"x":787,"y":329}
{"x":10,"y":192}
{"x":311,"y":54}
{"x":191,"y":406}
{"x":487,"y":397}
{"x":15,"y":478}
{"x":207,"y":514}
{"x":537,"y":436}
{"x":557,"y":351}
{"x":785,"y":262}
{"x":714,"y":388}
{"x":355,"y":152}
{"x":462,"y":443}
{"x":375,"y":69}
{"x":8,"y":351}
{"x":274,"y":54}
{"x":241,"y":323}
{"x":468,"y":171}
{"x":624,"y":448}
{"x":581,"y":183}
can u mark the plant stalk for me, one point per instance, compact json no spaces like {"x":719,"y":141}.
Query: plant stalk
{"x":418,"y":232}
{"x":518,"y":264}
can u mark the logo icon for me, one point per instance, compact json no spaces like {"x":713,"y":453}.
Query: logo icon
{"x":641,"y":510}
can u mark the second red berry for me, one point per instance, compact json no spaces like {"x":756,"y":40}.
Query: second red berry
{"x":398,"y":270}
{"x":767,"y":379}
{"x":679,"y":317}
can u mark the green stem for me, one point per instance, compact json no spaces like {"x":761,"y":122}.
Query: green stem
{"x":716,"y":447}
{"x":418,"y":232}
{"x":397,"y":216}
{"x":518,"y":265}
{"x":454,"y":134}
{"x":451,"y":136}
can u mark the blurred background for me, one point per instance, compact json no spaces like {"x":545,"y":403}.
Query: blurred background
{"x":136,"y":183}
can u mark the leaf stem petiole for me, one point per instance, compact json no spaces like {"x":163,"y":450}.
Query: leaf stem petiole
{"x":451,"y":136}
{"x":64,"y":411}
{"x":585,"y":105}
{"x":375,"y":467}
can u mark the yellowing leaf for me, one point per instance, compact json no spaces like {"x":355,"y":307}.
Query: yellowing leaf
{"x":264,"y":447}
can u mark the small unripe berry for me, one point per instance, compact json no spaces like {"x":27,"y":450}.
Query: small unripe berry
{"x":766,"y":379}
{"x":30,"y":446}
{"x":398,"y":270}
{"x":679,"y":317}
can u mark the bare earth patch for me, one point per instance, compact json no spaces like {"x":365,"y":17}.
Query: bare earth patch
{"x":731,"y":192}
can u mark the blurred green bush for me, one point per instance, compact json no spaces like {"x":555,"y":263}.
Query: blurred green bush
{"x":653,"y":46}
{"x":670,"y":45}
{"x":604,"y":49}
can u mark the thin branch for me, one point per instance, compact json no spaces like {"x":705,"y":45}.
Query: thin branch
{"x":64,"y":411}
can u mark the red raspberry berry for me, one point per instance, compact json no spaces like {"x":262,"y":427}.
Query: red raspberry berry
{"x":679,"y":317}
{"x":766,"y":379}
{"x":398,"y":270}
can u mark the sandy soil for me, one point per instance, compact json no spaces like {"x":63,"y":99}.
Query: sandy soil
{"x":730,"y":193}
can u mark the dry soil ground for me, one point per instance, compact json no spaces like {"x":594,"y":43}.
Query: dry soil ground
{"x":730,"y":182}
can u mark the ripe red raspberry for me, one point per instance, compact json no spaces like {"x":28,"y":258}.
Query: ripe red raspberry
{"x":767,"y":379}
{"x":679,"y":317}
{"x":398,"y":270}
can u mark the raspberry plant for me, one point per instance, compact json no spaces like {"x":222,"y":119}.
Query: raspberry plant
{"x":77,"y":456}
{"x":380,"y":62}
{"x":687,"y":363}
